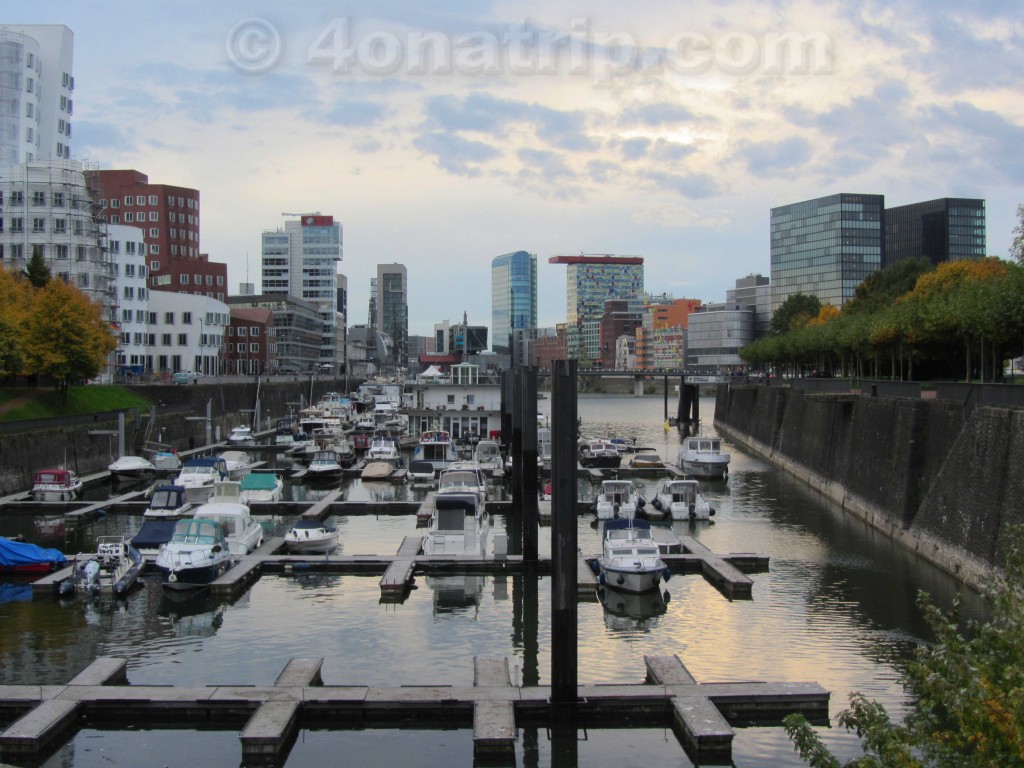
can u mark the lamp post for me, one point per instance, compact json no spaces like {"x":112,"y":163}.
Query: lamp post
{"x":202,"y":358}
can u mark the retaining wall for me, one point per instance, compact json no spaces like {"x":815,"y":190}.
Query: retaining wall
{"x":943,"y":478}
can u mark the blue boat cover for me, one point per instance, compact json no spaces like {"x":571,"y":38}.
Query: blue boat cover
{"x":14,"y":554}
{"x":153,"y":533}
{"x":623,"y":523}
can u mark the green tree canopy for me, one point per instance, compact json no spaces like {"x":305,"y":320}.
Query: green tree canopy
{"x":1017,"y":246}
{"x":15,"y":309}
{"x":36,"y":271}
{"x":880,"y":289}
{"x":795,"y":312}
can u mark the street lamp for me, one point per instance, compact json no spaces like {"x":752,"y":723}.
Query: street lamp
{"x":202,"y":358}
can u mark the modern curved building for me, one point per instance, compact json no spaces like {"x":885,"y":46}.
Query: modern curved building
{"x":513,"y":297}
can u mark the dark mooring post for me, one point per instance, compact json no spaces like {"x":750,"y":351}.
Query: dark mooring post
{"x":530,"y":499}
{"x":516,"y":444}
{"x":506,"y":409}
{"x":564,"y":546}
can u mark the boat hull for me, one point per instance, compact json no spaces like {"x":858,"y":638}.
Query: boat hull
{"x":184,"y":579}
{"x":632,"y":581}
{"x":705,"y":469}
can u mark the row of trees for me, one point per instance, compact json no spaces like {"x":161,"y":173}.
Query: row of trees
{"x":912,"y":320}
{"x":49,"y":329}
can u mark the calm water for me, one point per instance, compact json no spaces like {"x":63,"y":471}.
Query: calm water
{"x":837,"y":607}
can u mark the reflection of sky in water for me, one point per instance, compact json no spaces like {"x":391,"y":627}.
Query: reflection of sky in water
{"x":837,"y":607}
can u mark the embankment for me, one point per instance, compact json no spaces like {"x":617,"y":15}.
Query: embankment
{"x":940,"y":477}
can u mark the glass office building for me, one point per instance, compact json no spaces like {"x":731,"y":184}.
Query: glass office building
{"x":393,"y":311}
{"x":947,"y":229}
{"x":826,"y":247}
{"x":513,"y":297}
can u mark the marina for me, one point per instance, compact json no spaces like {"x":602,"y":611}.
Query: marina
{"x":459,"y":612}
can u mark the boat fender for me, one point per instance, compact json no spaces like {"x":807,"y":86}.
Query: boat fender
{"x":600,"y":579}
{"x":711,"y":511}
{"x":595,"y":567}
{"x":172,"y":578}
{"x":641,"y":502}
{"x":667,"y":574}
{"x":621,"y":580}
{"x":666,"y":596}
{"x":656,"y":503}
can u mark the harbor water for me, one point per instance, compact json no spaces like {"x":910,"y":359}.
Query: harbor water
{"x":837,"y":606}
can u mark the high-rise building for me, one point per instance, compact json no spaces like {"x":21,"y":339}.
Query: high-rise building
{"x":715,"y":336}
{"x":826,"y":247}
{"x":754,"y":291}
{"x":393,"y":311}
{"x":947,"y":229}
{"x":513,"y":297}
{"x":300,"y":260}
{"x":590,"y":282}
{"x":36,"y":92}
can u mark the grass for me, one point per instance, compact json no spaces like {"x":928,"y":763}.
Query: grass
{"x":45,"y":403}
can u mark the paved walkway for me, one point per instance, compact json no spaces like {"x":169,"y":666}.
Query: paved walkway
{"x":10,"y":405}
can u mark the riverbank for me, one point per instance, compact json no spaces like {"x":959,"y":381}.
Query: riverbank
{"x":941,"y":478}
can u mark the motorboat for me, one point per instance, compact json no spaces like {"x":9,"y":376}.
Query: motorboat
{"x":683,"y":500}
{"x":154,"y":533}
{"x":324,"y":466}
{"x":630,"y":560}
{"x":260,"y":486}
{"x":241,"y":435}
{"x":131,"y":467}
{"x":437,"y":447}
{"x":284,"y":431}
{"x":599,"y":454}
{"x":242,"y":534}
{"x":238,"y":464}
{"x":113,"y":569}
{"x":617,"y":498}
{"x":340,"y":444}
{"x":198,"y":476}
{"x":22,"y":557}
{"x":377,"y":470}
{"x":196,"y":554}
{"x":544,"y":448}
{"x":56,"y":485}
{"x":488,"y":456}
{"x":646,"y":458}
{"x":463,"y":477}
{"x":623,"y":444}
{"x":311,"y":536}
{"x":166,"y":461}
{"x":703,"y":457}
{"x":168,"y":502}
{"x":421,"y":473}
{"x":384,"y":447}
{"x":457,"y":526}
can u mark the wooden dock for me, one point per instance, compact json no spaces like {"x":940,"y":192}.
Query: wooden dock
{"x":702,"y":714}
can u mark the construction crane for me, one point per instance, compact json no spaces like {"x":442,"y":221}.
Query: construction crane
{"x":307,"y":213}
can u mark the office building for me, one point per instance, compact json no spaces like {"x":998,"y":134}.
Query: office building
{"x":948,"y":229}
{"x":513,"y":297}
{"x":826,"y":247}
{"x":392,"y":299}
{"x":294,"y":337}
{"x":126,"y":247}
{"x":716,"y":334}
{"x":590,"y":282}
{"x":36,"y":92}
{"x":754,"y":291}
{"x":299,"y":260}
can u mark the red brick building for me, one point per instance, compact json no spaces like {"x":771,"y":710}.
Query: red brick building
{"x":249,"y":343}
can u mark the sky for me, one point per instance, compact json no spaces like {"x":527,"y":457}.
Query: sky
{"x":443,"y":134}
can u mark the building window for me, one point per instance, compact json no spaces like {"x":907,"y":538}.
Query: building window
{"x":174,"y":250}
{"x":38,"y":225}
{"x":60,"y":226}
{"x":243,"y":330}
{"x":154,"y":232}
{"x":114,"y":219}
{"x":183,"y":279}
{"x":220,"y":280}
{"x":129,"y":217}
{"x":186,"y":318}
{"x":254,"y":347}
{"x":115,"y":203}
{"x":198,"y":279}
{"x":38,"y":198}
{"x":60,"y":251}
{"x":182,"y":339}
{"x":209,"y":279}
{"x":154,"y":250}
{"x":17,"y":251}
{"x":154,"y":216}
{"x":153,"y":200}
{"x":129,"y":292}
{"x":165,"y":339}
{"x":17,"y":224}
{"x":254,"y":331}
{"x":58,"y":199}
{"x":17,"y":198}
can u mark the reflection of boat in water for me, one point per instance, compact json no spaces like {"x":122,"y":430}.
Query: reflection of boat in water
{"x":192,"y":614}
{"x":628,"y":610}
{"x":456,"y":593}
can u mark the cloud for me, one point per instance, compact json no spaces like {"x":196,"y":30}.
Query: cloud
{"x":96,"y":135}
{"x":692,"y":185}
{"x":550,"y":165}
{"x":767,"y":158}
{"x":349,"y":113}
{"x":454,"y":153}
{"x":635,"y":149}
{"x":660,"y":114}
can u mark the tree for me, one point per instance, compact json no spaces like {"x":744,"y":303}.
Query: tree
{"x":968,"y":690}
{"x":66,"y":337}
{"x":36,"y":271}
{"x":795,"y":312}
{"x":882,"y":288}
{"x":15,"y":309}
{"x":1017,"y":247}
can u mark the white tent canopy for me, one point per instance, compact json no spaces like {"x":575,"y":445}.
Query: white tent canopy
{"x":433,"y":372}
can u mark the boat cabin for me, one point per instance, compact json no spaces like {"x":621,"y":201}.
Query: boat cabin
{"x":617,"y":491}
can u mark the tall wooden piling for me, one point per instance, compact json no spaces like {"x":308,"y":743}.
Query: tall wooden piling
{"x":527,"y":403}
{"x":564,"y":661}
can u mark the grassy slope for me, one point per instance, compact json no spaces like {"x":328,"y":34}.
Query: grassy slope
{"x":44,"y":403}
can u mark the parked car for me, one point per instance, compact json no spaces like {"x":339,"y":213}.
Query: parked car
{"x":288,"y":368}
{"x":186,"y":377}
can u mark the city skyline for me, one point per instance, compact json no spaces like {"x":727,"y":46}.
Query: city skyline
{"x":558,"y":148}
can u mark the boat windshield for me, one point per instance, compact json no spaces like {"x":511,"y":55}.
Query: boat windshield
{"x":196,"y":532}
{"x":163,"y":499}
{"x":458,"y":480}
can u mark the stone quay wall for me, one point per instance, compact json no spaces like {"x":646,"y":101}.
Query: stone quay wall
{"x":175,"y":419}
{"x":943,"y":478}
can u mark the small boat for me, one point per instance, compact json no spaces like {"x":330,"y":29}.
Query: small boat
{"x":198,"y":476}
{"x":324,"y":466}
{"x":166,"y":461}
{"x":238,"y":464}
{"x":241,"y":435}
{"x":599,"y":454}
{"x":683,"y":500}
{"x":284,"y":431}
{"x":168,"y":502}
{"x":488,"y":455}
{"x":703,"y":457}
{"x":196,"y":554}
{"x":311,"y":536}
{"x":260,"y":486}
{"x":617,"y":498}
{"x":131,"y":467}
{"x":421,"y":473}
{"x":22,"y":557}
{"x":113,"y":569}
{"x":153,"y":534}
{"x":56,"y":485}
{"x":463,"y":477}
{"x":437,"y":447}
{"x":457,"y":526}
{"x":242,"y":534}
{"x":630,"y":560}
{"x":646,"y":458}
{"x":623,"y":444}
{"x":384,"y":447}
{"x":377,"y":470}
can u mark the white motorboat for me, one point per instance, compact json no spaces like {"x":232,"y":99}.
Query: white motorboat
{"x":307,"y":536}
{"x":113,"y":569}
{"x":131,"y":467}
{"x":196,"y":554}
{"x":682,"y":500}
{"x":241,"y":533}
{"x":703,"y":457}
{"x":168,"y":502}
{"x":646,"y":458}
{"x":463,"y":477}
{"x":457,"y":526}
{"x":324,"y":466}
{"x":241,"y":435}
{"x":630,"y":560}
{"x":260,"y":486}
{"x":421,"y":473}
{"x":238,"y":464}
{"x":166,"y":461}
{"x":198,"y":476}
{"x":598,"y":454}
{"x":56,"y":485}
{"x":436,"y":446}
{"x":377,"y":470}
{"x":617,"y":498}
{"x":383,"y":448}
{"x":488,"y":455}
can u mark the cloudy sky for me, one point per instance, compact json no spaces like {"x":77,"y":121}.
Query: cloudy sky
{"x":443,"y":134}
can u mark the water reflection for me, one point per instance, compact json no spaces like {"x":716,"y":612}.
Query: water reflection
{"x":628,"y":611}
